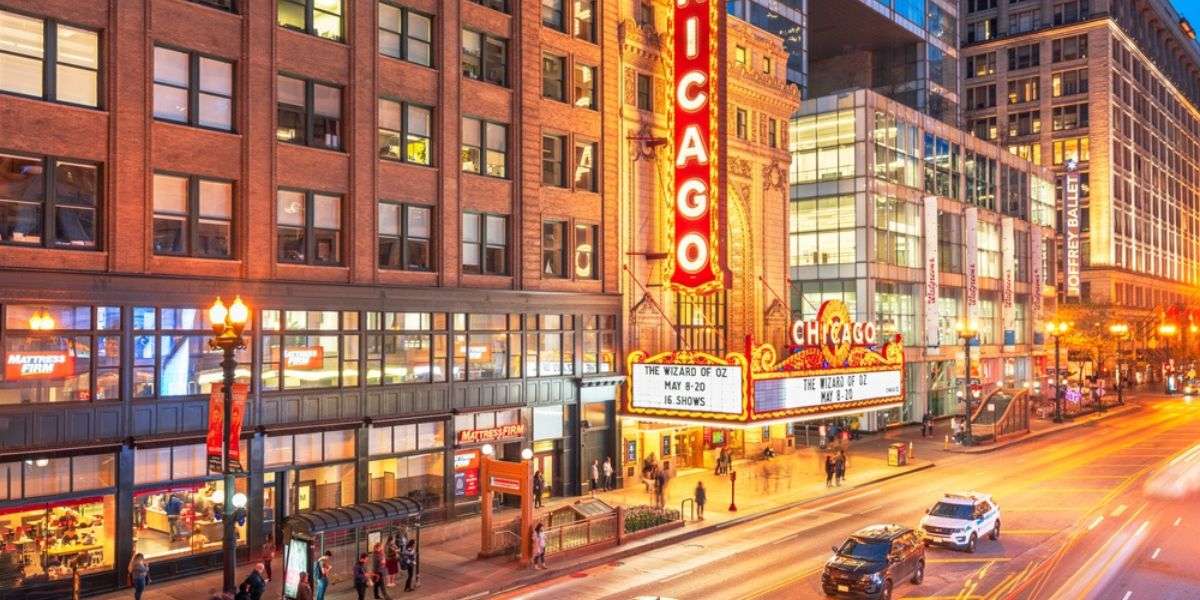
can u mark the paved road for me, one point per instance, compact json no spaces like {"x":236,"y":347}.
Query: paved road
{"x":1077,"y":523}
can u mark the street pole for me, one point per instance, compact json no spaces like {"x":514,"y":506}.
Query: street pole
{"x":229,"y":539}
{"x":967,"y":396}
{"x":1057,"y":384}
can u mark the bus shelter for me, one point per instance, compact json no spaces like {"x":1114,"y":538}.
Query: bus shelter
{"x":349,"y":531}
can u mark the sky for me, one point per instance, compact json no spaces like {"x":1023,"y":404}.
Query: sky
{"x":1190,"y":9}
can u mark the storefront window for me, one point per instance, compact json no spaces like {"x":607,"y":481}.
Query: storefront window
{"x":599,"y":344}
{"x":181,"y":519}
{"x":415,"y":353}
{"x":550,"y":351}
{"x":308,"y":448}
{"x":896,"y":311}
{"x":319,"y":488}
{"x":596,"y":414}
{"x":481,"y":356}
{"x":395,"y":439}
{"x":171,"y":356}
{"x":547,"y":422}
{"x":311,"y":349}
{"x":420,"y":477}
{"x":55,"y":354}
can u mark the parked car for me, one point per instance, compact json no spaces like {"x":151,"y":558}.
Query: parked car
{"x":959,"y":520}
{"x":873,"y":561}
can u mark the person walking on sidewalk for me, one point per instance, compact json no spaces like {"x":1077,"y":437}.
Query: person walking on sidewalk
{"x":256,"y":582}
{"x":379,"y":573}
{"x":660,"y":488}
{"x":539,"y":547}
{"x":391,"y":553}
{"x":139,"y":575}
{"x":324,"y":568}
{"x":609,"y":483}
{"x":829,"y":469}
{"x":595,"y":474}
{"x":839,"y":466}
{"x":360,"y":577}
{"x":701,"y":498}
{"x":268,"y":555}
{"x":408,"y":561}
{"x":539,"y":484}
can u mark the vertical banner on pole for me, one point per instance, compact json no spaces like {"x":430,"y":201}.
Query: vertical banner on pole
{"x":1071,"y":231}
{"x":971,"y":262}
{"x":1008,"y":276}
{"x":216,"y":427}
{"x":1037,"y":280}
{"x":932,"y":272}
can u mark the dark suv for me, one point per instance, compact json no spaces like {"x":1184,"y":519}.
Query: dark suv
{"x":873,"y":561}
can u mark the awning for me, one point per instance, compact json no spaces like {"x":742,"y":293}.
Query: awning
{"x":353,"y":516}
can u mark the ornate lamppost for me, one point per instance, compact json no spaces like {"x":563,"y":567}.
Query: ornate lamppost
{"x":227,"y":325}
{"x":1056,"y":329}
{"x":1119,"y":331}
{"x":967,"y":331}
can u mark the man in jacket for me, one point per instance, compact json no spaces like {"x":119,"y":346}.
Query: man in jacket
{"x":256,"y":581}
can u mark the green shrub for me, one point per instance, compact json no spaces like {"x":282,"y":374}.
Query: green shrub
{"x":638,"y":518}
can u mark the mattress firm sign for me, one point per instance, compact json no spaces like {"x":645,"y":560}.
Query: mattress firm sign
{"x":715,"y":389}
{"x":825,"y":390}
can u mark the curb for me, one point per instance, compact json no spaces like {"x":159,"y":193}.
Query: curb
{"x":684,"y":536}
{"x":1046,"y":432}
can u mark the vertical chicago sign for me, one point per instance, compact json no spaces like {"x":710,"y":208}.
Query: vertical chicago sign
{"x":696,"y":264}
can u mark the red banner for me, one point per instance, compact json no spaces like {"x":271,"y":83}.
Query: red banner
{"x":304,"y":358}
{"x":216,"y":424}
{"x":696,"y":264}
{"x":38,"y":365}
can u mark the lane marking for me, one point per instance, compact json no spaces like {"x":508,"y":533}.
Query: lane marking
{"x":935,"y":561}
{"x":1177,"y":521}
{"x":1117,"y":512}
{"x":1128,"y":593}
{"x":1031,"y":531}
{"x":1096,"y":522}
{"x":678,"y":575}
{"x":1155,"y":555}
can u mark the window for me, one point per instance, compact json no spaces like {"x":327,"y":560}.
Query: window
{"x":485,"y":243}
{"x":322,"y":18}
{"x":1023,"y":90}
{"x":405,"y":234}
{"x":488,"y":348}
{"x":1069,"y":48}
{"x":585,"y":86}
{"x":743,"y":124}
{"x":405,"y":34}
{"x":193,"y":216}
{"x":420,"y":477}
{"x":309,"y":113}
{"x":599,"y":344}
{"x":978,"y":5}
{"x":981,"y":65}
{"x":896,"y":311}
{"x":1030,"y":152}
{"x":86,"y":359}
{"x":772,"y":133}
{"x":193,"y":89}
{"x":309,"y":227}
{"x":484,"y":57}
{"x":587,"y":251}
{"x":1071,"y":116}
{"x":49,"y":60}
{"x":766,"y":65}
{"x":309,"y":349}
{"x":741,"y":57}
{"x":897,"y":232}
{"x":406,"y":347}
{"x":552,"y":14}
{"x":1024,"y":57}
{"x":584,"y":16}
{"x":484,"y":147}
{"x":978,"y":31}
{"x":979,"y":97}
{"x":550,"y":350}
{"x":897,"y":149}
{"x":1024,"y":123}
{"x":171,"y":355}
{"x":1068,"y":83}
{"x":821,"y":231}
{"x":988,"y":247}
{"x":1070,"y":12}
{"x":405,"y":132}
{"x":980,"y":180}
{"x":1071,"y":149}
{"x":645,"y":14}
{"x":48,"y":202}
{"x":701,"y":322}
{"x":942,"y":166}
{"x":500,"y":5}
{"x":645,"y":92}
{"x":554,"y":251}
{"x":950,"y":242}
{"x":1024,"y":21}
{"x":554,"y":77}
{"x":553,"y":159}
{"x":585,"y":166}
{"x":823,"y":147}
{"x":984,"y":128}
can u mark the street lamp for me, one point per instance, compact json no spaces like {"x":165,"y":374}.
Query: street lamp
{"x":227,"y":325}
{"x":1056,"y":329}
{"x":1119,"y":331}
{"x":967,"y":331}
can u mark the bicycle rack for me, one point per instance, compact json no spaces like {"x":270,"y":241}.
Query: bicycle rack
{"x":685,"y":502}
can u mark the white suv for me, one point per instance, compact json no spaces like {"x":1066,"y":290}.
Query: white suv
{"x":959,"y":520}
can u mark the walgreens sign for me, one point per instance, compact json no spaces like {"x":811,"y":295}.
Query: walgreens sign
{"x":696,"y":264}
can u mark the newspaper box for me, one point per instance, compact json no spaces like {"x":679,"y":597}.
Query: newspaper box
{"x":897,"y":455}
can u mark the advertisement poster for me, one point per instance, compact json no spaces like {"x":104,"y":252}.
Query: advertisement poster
{"x":971,"y":262}
{"x":216,"y":424}
{"x":1008,"y":283}
{"x":295,"y":562}
{"x":630,"y":451}
{"x":466,"y":473}
{"x":1037,"y":258}
{"x":932,"y":272}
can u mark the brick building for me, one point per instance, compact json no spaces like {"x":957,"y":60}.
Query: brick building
{"x":422,"y":195}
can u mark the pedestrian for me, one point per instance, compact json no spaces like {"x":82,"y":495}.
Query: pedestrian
{"x":243,"y":592}
{"x":379,"y":572}
{"x":139,"y":575}
{"x":361,"y":578}
{"x":256,"y":582}
{"x":324,"y":568}
{"x":173,"y":509}
{"x":660,"y":487}
{"x":830,"y":467}
{"x":539,"y":547}
{"x":539,"y":484}
{"x":268,"y":555}
{"x":840,"y":467}
{"x":408,"y":561}
{"x":609,"y":483}
{"x":954,"y":428}
{"x":821,"y":435}
{"x":391,"y":553}
{"x":701,"y":497}
{"x":925,"y":425}
{"x":303,"y":589}
{"x":595,"y":474}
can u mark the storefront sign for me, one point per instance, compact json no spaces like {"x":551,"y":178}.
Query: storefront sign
{"x":216,"y":424}
{"x":507,"y":484}
{"x":971,"y":262}
{"x":687,"y":388}
{"x":1071,"y":239}
{"x":932,"y":273}
{"x":833,"y":332}
{"x":1008,"y":275}
{"x":792,"y":393}
{"x":696,"y":264}
{"x":305,"y":358}
{"x":38,"y":365}
{"x":1037,"y":258}
{"x":476,"y":436}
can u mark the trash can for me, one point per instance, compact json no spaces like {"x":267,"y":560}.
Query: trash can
{"x":897,"y":455}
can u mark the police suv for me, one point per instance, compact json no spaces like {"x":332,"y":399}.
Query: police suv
{"x":959,"y":520}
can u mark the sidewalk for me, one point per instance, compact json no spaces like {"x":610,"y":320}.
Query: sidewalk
{"x":450,"y":569}
{"x":1042,"y":427}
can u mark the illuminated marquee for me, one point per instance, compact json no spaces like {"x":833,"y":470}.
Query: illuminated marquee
{"x":695,"y":263}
